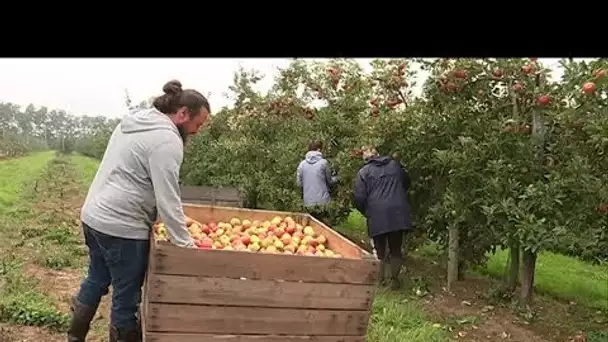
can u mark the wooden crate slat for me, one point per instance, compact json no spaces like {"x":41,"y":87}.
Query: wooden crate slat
{"x":177,"y":337}
{"x":247,"y":321}
{"x":169,"y":259}
{"x":228,"y":197}
{"x":337,"y":241}
{"x":257,"y":293}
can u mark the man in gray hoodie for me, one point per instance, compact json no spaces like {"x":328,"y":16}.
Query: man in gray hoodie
{"x":137,"y":179}
{"x":314,"y":175}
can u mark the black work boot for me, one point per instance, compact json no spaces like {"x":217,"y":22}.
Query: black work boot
{"x":80,"y":323}
{"x":119,"y":335}
{"x":395,"y":268}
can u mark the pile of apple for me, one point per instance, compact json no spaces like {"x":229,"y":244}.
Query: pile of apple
{"x":277,"y":236}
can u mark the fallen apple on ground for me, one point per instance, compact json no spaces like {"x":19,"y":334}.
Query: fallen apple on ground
{"x":277,"y":235}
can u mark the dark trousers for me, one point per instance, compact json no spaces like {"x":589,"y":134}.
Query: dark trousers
{"x":121,"y":263}
{"x":389,"y":244}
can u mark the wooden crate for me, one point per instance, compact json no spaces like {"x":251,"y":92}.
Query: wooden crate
{"x":194,"y":295}
{"x":223,"y":197}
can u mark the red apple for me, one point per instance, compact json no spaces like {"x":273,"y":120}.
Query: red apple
{"x":246,"y":240}
{"x":206,"y":244}
{"x":286,"y":238}
{"x":527,"y":69}
{"x":517,"y":87}
{"x":589,"y":87}
{"x":544,"y":100}
{"x":460,"y":74}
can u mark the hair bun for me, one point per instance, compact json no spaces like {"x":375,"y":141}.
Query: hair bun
{"x":172,"y":87}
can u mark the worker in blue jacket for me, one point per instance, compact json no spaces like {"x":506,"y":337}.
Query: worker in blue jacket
{"x":381,"y":188}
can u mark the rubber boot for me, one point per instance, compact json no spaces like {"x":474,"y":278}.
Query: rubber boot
{"x":395,"y":269}
{"x":80,"y":323}
{"x":118,"y":335}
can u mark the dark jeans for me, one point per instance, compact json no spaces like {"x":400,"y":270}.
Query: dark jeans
{"x":393,"y":241}
{"x":121,"y":263}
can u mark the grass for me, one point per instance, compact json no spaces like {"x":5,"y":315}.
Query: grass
{"x":21,"y":301}
{"x":397,"y":318}
{"x":563,"y":277}
{"x":15,"y":173}
{"x":87,"y":168}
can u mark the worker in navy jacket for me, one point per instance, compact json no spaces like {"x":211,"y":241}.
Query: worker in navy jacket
{"x":381,"y":188}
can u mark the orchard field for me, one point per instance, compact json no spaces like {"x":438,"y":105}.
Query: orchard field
{"x":509,"y":195}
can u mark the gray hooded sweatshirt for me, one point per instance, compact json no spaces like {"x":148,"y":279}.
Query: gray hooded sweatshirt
{"x":314,"y":175}
{"x":139,"y":177}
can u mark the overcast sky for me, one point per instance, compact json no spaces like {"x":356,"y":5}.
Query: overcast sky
{"x":97,"y":86}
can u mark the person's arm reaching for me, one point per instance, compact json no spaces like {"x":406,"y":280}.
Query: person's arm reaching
{"x":407,"y":182}
{"x":165,"y":161}
{"x":329,"y":177}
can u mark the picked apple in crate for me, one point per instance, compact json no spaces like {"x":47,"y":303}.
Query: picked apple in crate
{"x":278,"y":235}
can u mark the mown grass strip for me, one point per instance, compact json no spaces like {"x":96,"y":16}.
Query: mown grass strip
{"x":21,"y":301}
{"x":16,"y":173}
{"x":562,"y":277}
{"x":86,"y":168}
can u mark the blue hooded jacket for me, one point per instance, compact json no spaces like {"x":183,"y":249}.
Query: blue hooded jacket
{"x":314,"y":175}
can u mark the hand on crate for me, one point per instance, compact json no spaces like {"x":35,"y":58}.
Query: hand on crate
{"x":161,"y":234}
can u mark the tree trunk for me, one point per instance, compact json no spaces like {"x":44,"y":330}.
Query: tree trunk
{"x":513,"y":276}
{"x":453,"y":248}
{"x":527,"y":282}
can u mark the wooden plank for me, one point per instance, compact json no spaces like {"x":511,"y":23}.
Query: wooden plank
{"x":335,"y":241}
{"x":212,"y":195}
{"x":174,"y":337}
{"x":257,"y":293}
{"x":222,"y":203}
{"x":249,"y":321}
{"x":169,"y":259}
